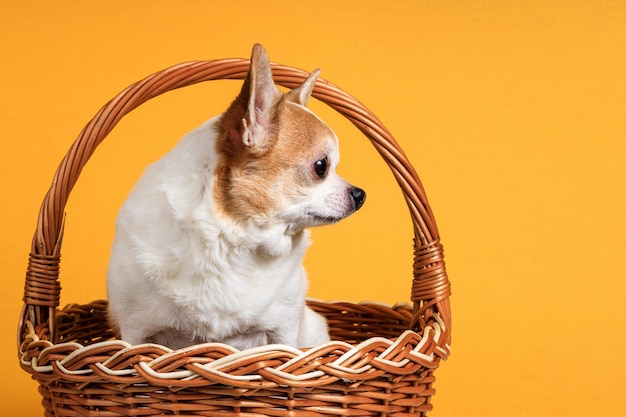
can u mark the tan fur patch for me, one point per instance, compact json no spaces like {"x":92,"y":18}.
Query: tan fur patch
{"x":253,"y":184}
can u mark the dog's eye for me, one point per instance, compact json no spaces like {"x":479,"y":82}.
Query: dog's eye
{"x":321,"y":167}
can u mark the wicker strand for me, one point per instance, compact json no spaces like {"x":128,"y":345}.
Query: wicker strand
{"x":430,"y":282}
{"x":42,"y":287}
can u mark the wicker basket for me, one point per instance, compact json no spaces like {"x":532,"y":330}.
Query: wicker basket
{"x":380,"y":362}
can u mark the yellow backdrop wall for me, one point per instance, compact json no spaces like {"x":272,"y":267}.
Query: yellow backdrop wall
{"x":513,"y":113}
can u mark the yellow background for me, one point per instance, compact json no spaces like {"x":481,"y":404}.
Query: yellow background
{"x":513,"y":113}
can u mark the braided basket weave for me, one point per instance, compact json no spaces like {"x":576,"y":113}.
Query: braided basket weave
{"x":380,"y":361}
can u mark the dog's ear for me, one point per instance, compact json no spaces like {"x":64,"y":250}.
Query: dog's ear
{"x":258,"y":97}
{"x":251,"y":115}
{"x":302,"y":93}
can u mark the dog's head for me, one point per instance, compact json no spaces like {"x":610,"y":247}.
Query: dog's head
{"x":277,"y":158}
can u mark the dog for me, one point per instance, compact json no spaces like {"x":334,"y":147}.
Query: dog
{"x":209,"y":243}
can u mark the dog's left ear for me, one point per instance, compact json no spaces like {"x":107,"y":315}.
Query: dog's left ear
{"x":302,"y":93}
{"x":259,"y":95}
{"x":250,"y":118}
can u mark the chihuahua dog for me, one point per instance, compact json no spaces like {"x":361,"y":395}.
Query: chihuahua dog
{"x":210,"y":242}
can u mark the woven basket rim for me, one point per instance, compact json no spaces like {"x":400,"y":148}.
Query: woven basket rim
{"x":207,"y":363}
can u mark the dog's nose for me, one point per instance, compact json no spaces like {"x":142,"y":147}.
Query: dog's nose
{"x":358,"y":196}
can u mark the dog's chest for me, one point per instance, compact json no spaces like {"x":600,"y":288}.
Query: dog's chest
{"x":228,"y":289}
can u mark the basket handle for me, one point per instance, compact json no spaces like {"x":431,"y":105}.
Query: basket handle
{"x":430,"y":290}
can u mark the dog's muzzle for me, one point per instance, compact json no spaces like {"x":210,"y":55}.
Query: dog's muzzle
{"x":358,"y":196}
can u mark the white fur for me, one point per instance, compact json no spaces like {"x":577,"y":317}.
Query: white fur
{"x":175,"y":265}
{"x":183,"y":270}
